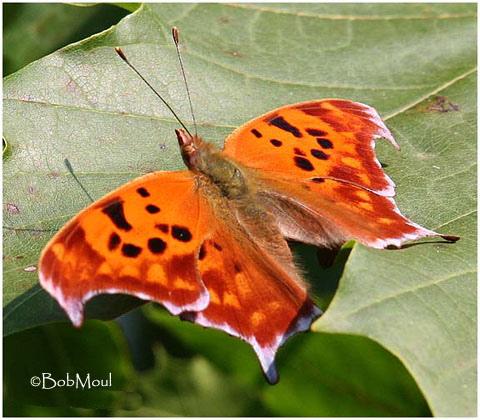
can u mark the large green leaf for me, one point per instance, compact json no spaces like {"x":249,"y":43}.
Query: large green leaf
{"x":84,"y":104}
{"x":421,"y":301}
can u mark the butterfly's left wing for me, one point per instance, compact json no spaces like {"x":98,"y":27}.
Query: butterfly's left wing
{"x":316,"y":166}
{"x":326,"y":139}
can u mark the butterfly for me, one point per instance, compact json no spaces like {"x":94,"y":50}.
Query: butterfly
{"x":209,"y":242}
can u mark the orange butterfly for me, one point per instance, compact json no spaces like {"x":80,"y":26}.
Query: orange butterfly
{"x":208,"y":243}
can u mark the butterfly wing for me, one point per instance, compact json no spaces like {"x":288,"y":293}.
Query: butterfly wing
{"x":330,"y":213}
{"x":137,"y":240}
{"x":315,"y":162}
{"x":254,"y":292}
{"x":331,"y":138}
{"x":214,"y":267}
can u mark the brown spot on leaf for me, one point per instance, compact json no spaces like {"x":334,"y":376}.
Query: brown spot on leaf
{"x":443,"y":105}
{"x":12,"y":208}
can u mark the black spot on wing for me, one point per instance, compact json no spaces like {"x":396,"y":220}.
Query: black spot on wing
{"x":131,"y":251}
{"x":237,"y":267}
{"x":143,"y":192}
{"x":316,"y":133}
{"x":113,"y":241}
{"x":319,"y":154}
{"x":202,"y":254}
{"x":303,"y":163}
{"x":157,"y":245}
{"x":325,"y":143}
{"x":285,"y":126}
{"x":162,"y":226}
{"x":299,"y":152}
{"x":217,"y":246}
{"x":317,"y":180}
{"x":181,"y":233}
{"x":152,"y":208}
{"x":114,"y":210}
{"x":256,"y":133}
{"x":276,"y":143}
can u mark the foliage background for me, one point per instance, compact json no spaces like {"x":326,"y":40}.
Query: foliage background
{"x":418,"y":302}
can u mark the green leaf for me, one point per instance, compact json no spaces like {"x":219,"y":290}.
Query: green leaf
{"x":337,"y":375}
{"x":52,"y":352}
{"x":131,"y":7}
{"x":189,"y":387}
{"x":420,"y":302}
{"x":33,"y":30}
{"x":343,"y":376}
{"x":84,"y":104}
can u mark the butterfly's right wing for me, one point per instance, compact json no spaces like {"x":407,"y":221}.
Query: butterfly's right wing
{"x":142,"y":239}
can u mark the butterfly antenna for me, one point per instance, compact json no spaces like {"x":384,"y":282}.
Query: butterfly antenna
{"x":124,"y":58}
{"x":175,"y":39}
{"x":70,"y":169}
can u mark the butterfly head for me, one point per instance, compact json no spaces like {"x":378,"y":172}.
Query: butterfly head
{"x":189,"y":146}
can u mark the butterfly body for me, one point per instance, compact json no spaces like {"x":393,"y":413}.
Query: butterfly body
{"x":209,"y":243}
{"x":203,"y":159}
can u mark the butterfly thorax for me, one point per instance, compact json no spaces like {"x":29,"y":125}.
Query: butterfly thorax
{"x":206,"y":160}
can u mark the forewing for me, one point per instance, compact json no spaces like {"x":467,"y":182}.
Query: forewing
{"x":330,"y":138}
{"x":142,"y":239}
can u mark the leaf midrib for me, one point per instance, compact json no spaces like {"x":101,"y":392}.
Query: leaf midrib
{"x":352,"y":17}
